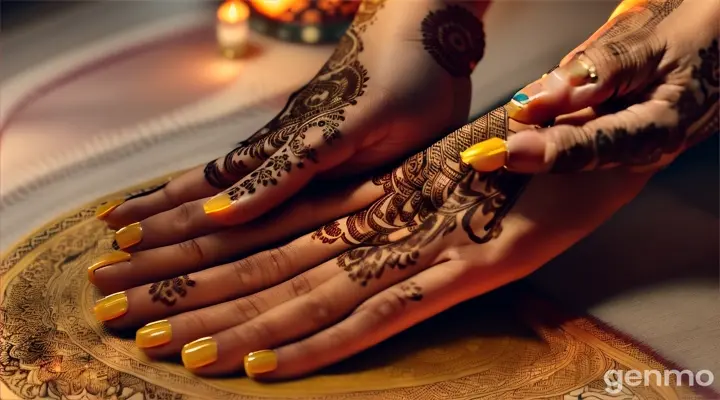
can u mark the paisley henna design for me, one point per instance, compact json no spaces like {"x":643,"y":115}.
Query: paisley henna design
{"x":320,"y":104}
{"x":491,"y":194}
{"x":168,"y":291}
{"x":428,"y":196}
{"x":419,"y":187}
{"x":455,"y":38}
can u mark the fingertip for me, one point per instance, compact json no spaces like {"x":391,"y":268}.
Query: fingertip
{"x":527,"y":152}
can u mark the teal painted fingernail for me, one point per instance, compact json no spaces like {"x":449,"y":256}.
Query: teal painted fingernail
{"x":521,"y":98}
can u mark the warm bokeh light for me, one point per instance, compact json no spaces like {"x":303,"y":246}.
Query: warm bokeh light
{"x":233,"y":11}
{"x":274,"y":8}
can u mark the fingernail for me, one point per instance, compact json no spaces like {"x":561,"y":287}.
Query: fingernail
{"x":111,"y":307}
{"x":199,"y":353}
{"x":523,"y":98}
{"x":526,"y":152}
{"x":487,"y":155}
{"x":107,"y":207}
{"x":625,"y":6}
{"x":217,"y":203}
{"x":154,"y":334}
{"x":578,"y":71}
{"x":260,"y":362}
{"x":129,"y":235}
{"x":108,"y":259}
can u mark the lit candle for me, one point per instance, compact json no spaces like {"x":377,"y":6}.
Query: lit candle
{"x":232,"y":28}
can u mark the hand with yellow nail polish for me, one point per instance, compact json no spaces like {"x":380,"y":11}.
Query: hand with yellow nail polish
{"x":355,"y":116}
{"x":638,"y":93}
{"x":415,"y":241}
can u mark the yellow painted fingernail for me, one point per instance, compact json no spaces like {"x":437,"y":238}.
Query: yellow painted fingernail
{"x":108,"y":259}
{"x":217,"y":203}
{"x":199,"y":353}
{"x":107,"y":207}
{"x":260,"y":362}
{"x":487,"y":155}
{"x":154,"y":334}
{"x":129,"y":235}
{"x":627,"y":5}
{"x":111,"y":307}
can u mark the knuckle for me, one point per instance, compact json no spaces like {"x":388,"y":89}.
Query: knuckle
{"x":279,"y":260}
{"x":249,"y":307}
{"x":194,"y":321}
{"x":299,"y":286}
{"x":182,"y":218}
{"x":391,"y":302}
{"x":318,"y":309}
{"x":244,"y":271}
{"x":193,"y":250}
{"x":259,"y":332}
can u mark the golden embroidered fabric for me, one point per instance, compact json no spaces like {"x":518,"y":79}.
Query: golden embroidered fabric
{"x":500,"y":346}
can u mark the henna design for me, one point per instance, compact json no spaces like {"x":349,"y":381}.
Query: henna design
{"x":455,"y":38}
{"x":492,"y":194}
{"x":692,"y":106}
{"x":412,"y":291}
{"x":318,"y":105}
{"x":428,"y":196}
{"x":697,"y":119}
{"x":418,"y":187}
{"x":169,"y":290}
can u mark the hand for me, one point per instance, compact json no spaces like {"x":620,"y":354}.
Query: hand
{"x":436,"y":234}
{"x":639,"y":92}
{"x":398,"y":79}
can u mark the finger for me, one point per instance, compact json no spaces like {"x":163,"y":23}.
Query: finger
{"x":281,"y":176}
{"x":196,"y":184}
{"x":184,"y":222}
{"x":380,"y":317}
{"x":119,"y":270}
{"x":304,"y":315}
{"x":620,"y":58}
{"x":187,"y":187}
{"x":642,"y":135}
{"x":211,"y":286}
{"x":166,"y":337}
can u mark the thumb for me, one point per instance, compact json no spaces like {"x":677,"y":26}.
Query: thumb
{"x":641,"y":136}
{"x":621,"y":58}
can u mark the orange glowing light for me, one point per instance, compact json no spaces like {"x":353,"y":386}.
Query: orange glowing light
{"x":627,"y":5}
{"x":274,"y":8}
{"x":233,"y":11}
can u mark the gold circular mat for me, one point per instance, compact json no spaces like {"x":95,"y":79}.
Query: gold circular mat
{"x":509,"y":344}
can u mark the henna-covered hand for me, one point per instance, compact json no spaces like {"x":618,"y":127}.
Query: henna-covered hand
{"x":639,"y":92}
{"x":429,"y":234}
{"x":359,"y":113}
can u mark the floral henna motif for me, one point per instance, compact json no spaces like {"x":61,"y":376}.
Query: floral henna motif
{"x":455,"y":38}
{"x":169,"y":290}
{"x":320,"y":105}
{"x":428,"y":195}
{"x":418,"y":188}
{"x":492,"y":194}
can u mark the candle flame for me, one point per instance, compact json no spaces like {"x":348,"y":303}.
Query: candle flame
{"x":233,"y":11}
{"x":273,"y":8}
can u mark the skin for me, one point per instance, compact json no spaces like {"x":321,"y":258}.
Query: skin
{"x":659,"y":73}
{"x":351,"y":264}
{"x":360,"y":113}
